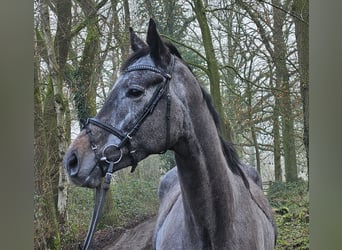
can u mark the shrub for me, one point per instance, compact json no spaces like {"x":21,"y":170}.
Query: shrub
{"x":290,"y":202}
{"x":134,"y":198}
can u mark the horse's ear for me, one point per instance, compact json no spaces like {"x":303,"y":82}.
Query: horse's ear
{"x":136,"y":42}
{"x":158,"y":50}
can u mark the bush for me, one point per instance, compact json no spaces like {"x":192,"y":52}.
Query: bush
{"x":134,"y":198}
{"x":290,"y":202}
{"x":79,"y":209}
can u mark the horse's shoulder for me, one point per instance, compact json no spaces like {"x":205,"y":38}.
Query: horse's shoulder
{"x":169,"y":180}
{"x":261,"y":200}
{"x":168,"y":194}
{"x":255,"y":188}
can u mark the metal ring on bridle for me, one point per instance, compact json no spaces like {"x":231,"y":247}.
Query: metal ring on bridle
{"x":104,"y":158}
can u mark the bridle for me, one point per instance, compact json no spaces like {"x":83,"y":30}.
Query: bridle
{"x":125,"y":140}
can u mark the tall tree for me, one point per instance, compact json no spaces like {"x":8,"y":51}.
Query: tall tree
{"x":85,"y":86}
{"x":301,"y":20}
{"x":276,"y":132}
{"x":227,"y":57}
{"x":276,"y":47}
{"x":46,"y":230}
{"x":61,"y":44}
{"x":252,"y":126}
{"x":212,"y":64}
{"x":56,"y":49}
{"x":282,"y":74}
{"x":121,"y":29}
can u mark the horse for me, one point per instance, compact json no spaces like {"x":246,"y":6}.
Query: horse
{"x":210,"y":200}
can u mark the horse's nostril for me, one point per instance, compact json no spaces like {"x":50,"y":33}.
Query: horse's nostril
{"x":72,"y":165}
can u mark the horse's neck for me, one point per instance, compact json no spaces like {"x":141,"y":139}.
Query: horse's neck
{"x":206,"y":182}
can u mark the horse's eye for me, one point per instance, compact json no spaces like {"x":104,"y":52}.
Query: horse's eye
{"x":135,"y":92}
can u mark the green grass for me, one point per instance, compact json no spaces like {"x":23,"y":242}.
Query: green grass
{"x":134,"y":197}
{"x":290,"y":202}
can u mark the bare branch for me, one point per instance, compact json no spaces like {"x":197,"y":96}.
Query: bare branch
{"x":85,"y":21}
{"x":291,"y":13}
{"x":185,"y":46}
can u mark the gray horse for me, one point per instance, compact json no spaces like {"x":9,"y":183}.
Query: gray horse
{"x":210,"y":200}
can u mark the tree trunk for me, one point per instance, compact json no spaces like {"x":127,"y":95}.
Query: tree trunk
{"x":46,"y":234}
{"x":276,"y":136}
{"x":282,"y":75}
{"x":213,"y":69}
{"x":85,"y":87}
{"x":120,"y":33}
{"x":301,"y":9}
{"x":231,"y":74}
{"x":126,"y":29}
{"x":50,"y":124}
{"x":252,"y":127}
{"x":57,"y":51}
{"x":61,"y":45}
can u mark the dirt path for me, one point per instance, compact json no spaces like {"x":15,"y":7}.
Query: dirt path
{"x":139,"y":237}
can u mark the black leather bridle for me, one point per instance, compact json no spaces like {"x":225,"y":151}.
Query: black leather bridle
{"x":125,"y":140}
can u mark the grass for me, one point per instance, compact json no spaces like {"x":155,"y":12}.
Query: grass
{"x":290,"y":202}
{"x":134,"y":197}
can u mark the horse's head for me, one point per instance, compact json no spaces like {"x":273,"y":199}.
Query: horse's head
{"x":143,"y":114}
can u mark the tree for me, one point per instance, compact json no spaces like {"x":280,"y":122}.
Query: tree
{"x":121,"y":30}
{"x":46,"y":229}
{"x":276,"y":136}
{"x":85,"y":86}
{"x":301,"y":20}
{"x":61,"y":45}
{"x":279,"y":57}
{"x":212,"y":64}
{"x":56,"y":106}
{"x":276,"y":47}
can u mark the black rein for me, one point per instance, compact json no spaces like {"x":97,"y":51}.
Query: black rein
{"x":125,"y":140}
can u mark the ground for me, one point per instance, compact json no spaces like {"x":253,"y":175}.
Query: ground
{"x":137,"y":237}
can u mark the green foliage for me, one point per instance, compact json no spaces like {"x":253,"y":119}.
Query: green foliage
{"x":46,"y":233}
{"x":134,"y":198}
{"x":168,"y":161}
{"x":79,"y":210}
{"x":290,"y":202}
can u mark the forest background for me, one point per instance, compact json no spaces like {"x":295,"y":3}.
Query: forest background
{"x":253,"y":58}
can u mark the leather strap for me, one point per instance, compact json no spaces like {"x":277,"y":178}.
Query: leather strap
{"x":100,"y":196}
{"x":101,"y":192}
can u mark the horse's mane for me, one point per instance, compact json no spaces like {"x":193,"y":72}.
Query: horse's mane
{"x":229,"y":151}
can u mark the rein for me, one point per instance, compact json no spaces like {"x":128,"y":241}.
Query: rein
{"x":125,"y":139}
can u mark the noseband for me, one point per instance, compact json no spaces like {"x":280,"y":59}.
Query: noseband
{"x":125,"y":140}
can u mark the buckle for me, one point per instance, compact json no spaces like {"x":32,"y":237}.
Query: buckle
{"x":116,"y":149}
{"x":108,"y":177}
